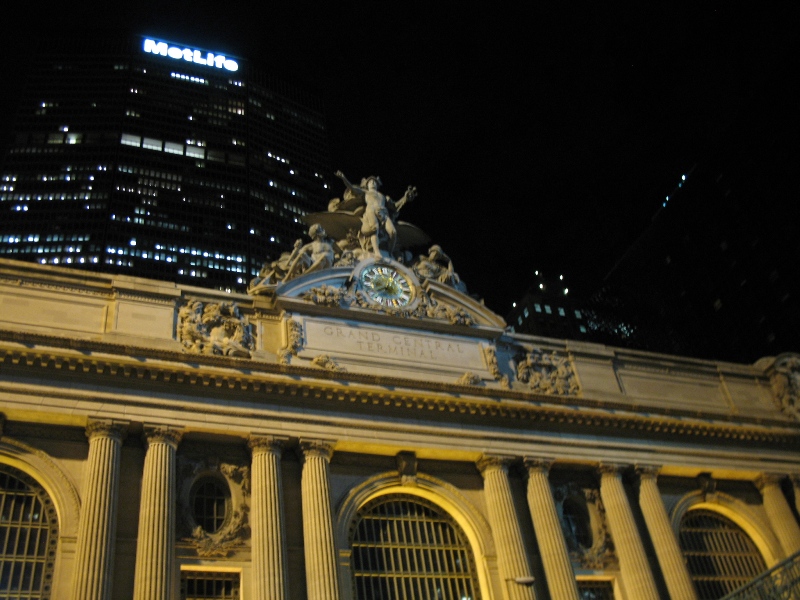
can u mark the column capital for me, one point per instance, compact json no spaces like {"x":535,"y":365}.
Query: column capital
{"x":109,"y":428}
{"x":538,"y":464}
{"x":611,"y":468}
{"x":161,"y":434}
{"x":266,"y":443}
{"x":320,"y":448}
{"x":766,"y":479}
{"x":648,"y":471}
{"x":489,"y":462}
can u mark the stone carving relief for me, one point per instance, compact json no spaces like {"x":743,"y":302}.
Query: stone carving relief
{"x":491,"y":360}
{"x":294,"y":342}
{"x":214,"y":328}
{"x":326,"y":362}
{"x":583,"y":521}
{"x":469,"y":378}
{"x":548,"y":373}
{"x":785,"y":382}
{"x":235,"y":528}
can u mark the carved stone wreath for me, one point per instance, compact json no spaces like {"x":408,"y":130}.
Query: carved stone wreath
{"x":235,"y":529}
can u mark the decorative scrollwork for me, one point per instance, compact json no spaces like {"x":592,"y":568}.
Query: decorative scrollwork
{"x":785,"y":382}
{"x":294,"y":342}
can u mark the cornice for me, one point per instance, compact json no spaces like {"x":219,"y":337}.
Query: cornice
{"x":164,"y":367}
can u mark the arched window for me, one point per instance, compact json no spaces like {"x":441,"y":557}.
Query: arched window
{"x":406,"y":548}
{"x":210,"y":503}
{"x":28,"y":537}
{"x":720,"y":556}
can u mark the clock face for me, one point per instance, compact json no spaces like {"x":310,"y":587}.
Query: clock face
{"x":386,"y":286}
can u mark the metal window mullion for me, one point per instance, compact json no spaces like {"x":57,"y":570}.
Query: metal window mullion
{"x":396,"y":569}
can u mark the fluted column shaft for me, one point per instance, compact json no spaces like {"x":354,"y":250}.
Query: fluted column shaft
{"x":322,"y":578}
{"x":97,"y":530}
{"x":549,"y":535}
{"x":267,"y":523}
{"x":780,"y":514}
{"x":633,"y":564}
{"x":511,"y":555}
{"x":668,"y":551}
{"x":156,"y":572}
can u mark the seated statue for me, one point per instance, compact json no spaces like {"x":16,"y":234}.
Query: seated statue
{"x":438,"y":266}
{"x":314,"y":256}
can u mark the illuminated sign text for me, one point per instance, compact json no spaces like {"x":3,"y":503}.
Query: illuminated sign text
{"x":193,"y":56}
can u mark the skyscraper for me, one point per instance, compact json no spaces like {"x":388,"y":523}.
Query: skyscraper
{"x":152,"y":158}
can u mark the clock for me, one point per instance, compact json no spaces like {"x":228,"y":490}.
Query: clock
{"x":386,"y":285}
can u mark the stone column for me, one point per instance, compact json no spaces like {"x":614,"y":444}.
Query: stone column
{"x":668,"y":551}
{"x":511,"y":555}
{"x":322,"y":577}
{"x":97,"y":530}
{"x":780,"y":514}
{"x":549,"y":535}
{"x":633,"y":564}
{"x":266,"y":520}
{"x":795,"y":485}
{"x":156,"y":572}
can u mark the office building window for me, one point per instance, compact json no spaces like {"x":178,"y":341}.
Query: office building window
{"x":407,"y":548}
{"x":28,"y":537}
{"x":720,"y":556}
{"x":209,"y":585}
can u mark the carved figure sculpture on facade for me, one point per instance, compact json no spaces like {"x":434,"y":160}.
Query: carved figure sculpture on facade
{"x":272,"y":273}
{"x":785,"y":381}
{"x":314,"y":256}
{"x":436,"y":265}
{"x":378,"y":234}
{"x":214,"y":329}
{"x":547,"y":373}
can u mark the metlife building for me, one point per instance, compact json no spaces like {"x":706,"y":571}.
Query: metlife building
{"x":157,"y":159}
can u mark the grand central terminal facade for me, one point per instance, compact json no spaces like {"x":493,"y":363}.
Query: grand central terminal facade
{"x":358,"y":426}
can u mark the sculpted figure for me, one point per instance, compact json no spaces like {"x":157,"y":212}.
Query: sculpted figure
{"x":274,"y":272}
{"x":380,"y":212}
{"x":437,"y":265}
{"x":314,"y":256}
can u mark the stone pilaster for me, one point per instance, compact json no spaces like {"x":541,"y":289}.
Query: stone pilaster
{"x":322,"y":578}
{"x":97,"y":529}
{"x":663,"y":537}
{"x":511,"y":556}
{"x":549,"y":535}
{"x":633,"y":564}
{"x":780,"y":514}
{"x":156,"y":571}
{"x":266,"y":520}
{"x":795,"y":486}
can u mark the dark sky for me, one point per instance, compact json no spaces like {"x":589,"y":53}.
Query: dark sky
{"x":542,"y":137}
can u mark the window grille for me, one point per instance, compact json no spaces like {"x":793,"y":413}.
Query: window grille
{"x":210,"y":500}
{"x":406,"y":548}
{"x":720,"y":556}
{"x":28,"y":537}
{"x":206,"y":585}
{"x":595,"y":590}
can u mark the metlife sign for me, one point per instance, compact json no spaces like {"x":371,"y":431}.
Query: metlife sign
{"x":198,"y":57}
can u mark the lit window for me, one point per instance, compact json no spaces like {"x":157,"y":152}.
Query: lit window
{"x":131,"y":140}
{"x":561,"y":312}
{"x":152,"y":144}
{"x":406,"y":548}
{"x":578,"y":314}
{"x":537,"y":308}
{"x":27,"y":513}
{"x":720,"y":556}
{"x":173,"y":148}
{"x":525,"y":312}
{"x":195,"y":152}
{"x":209,"y":585}
{"x":547,"y":309}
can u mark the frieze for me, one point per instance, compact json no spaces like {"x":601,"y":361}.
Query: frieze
{"x":214,"y":328}
{"x":326,"y":362}
{"x":548,"y":373}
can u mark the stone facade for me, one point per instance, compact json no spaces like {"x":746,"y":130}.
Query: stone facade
{"x":130,"y":402}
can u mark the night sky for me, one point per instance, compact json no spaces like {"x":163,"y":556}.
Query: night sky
{"x":538,"y":138}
